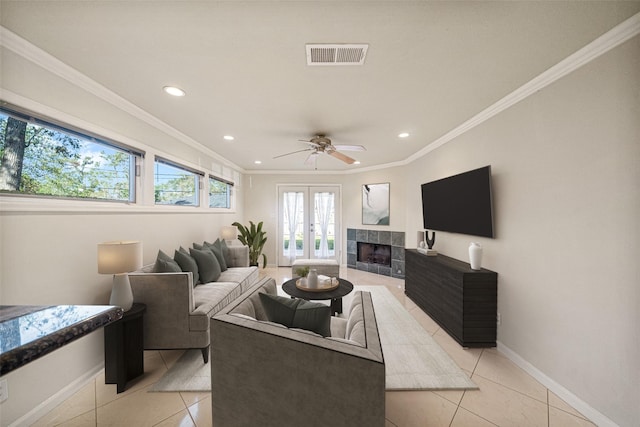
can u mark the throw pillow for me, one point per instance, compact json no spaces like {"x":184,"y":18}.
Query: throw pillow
{"x":165,"y":264}
{"x":313,"y":316}
{"x":297,"y":313}
{"x":279,"y":309}
{"x":208,"y":267}
{"x":225,"y":252}
{"x":216,"y":248}
{"x":187,"y":263}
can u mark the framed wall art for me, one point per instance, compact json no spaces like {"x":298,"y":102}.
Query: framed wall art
{"x":375,"y":204}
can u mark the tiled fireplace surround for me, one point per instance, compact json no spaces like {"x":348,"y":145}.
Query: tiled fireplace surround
{"x":393,"y":238}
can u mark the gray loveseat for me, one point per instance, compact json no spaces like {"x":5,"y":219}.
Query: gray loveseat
{"x":178,"y":313}
{"x":269,"y":375}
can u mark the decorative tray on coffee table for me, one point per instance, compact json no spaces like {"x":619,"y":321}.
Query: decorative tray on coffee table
{"x":324,"y":285}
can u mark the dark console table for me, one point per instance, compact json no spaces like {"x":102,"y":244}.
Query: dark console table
{"x":464,"y":302}
{"x":124,"y":348}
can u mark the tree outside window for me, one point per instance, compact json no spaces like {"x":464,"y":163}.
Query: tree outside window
{"x":219,"y":193}
{"x":41,"y":159}
{"x":175,"y":185}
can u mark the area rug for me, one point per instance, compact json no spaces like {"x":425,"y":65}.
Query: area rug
{"x":413,"y":360}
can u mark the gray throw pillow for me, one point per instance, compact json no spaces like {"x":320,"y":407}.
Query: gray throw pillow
{"x":313,"y":316}
{"x":187,"y":263}
{"x":216,"y":248}
{"x":225,"y":252}
{"x":165,"y":264}
{"x":297,"y":313}
{"x":208,"y":267}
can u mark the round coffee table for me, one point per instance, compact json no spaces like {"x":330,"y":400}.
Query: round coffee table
{"x":335,"y":295}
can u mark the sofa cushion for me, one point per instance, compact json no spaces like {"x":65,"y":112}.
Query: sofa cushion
{"x":187,"y":263}
{"x":244,"y":276}
{"x":208,"y":267}
{"x":165,"y":264}
{"x":209,"y":299}
{"x":297,"y":313}
{"x":246,"y":308}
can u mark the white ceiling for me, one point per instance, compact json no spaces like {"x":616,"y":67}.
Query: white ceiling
{"x":430,"y":65}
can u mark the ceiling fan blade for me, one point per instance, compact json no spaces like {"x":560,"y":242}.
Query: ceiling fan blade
{"x":349,"y":147}
{"x":339,"y":155}
{"x":311,"y":143}
{"x":293,"y":152}
{"x":311,"y":159}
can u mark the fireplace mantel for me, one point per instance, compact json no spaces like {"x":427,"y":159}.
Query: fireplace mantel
{"x":393,"y":238}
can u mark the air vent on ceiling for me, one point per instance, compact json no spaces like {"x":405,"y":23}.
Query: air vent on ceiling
{"x":336,"y":54}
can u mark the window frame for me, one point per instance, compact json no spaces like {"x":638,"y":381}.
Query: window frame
{"x":135,"y":156}
{"x":230,"y":192}
{"x":197,"y":174}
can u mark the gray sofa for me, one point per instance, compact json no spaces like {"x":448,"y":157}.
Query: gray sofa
{"x":178,"y":313}
{"x":269,"y":375}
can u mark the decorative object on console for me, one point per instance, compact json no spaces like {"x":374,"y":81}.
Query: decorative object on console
{"x":119,"y":258}
{"x":475,"y":256}
{"x":375,"y":204}
{"x":420,"y":242}
{"x":228,"y":232}
{"x":255,"y":238}
{"x":426,"y":247}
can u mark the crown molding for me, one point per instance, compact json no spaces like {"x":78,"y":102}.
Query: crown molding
{"x":609,"y":40}
{"x":34,"y":54}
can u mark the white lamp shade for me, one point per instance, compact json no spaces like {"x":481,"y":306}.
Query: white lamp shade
{"x":228,"y":232}
{"x":119,"y":257}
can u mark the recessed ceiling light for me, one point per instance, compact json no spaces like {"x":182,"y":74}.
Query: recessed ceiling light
{"x":357,"y":162}
{"x":258,"y":162}
{"x":228,"y":137}
{"x":175,"y":91}
{"x":403,"y":135}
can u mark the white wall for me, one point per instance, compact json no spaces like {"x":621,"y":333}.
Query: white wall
{"x":566,"y":182}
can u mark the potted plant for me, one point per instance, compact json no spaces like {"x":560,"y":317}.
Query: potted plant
{"x":255,"y":238}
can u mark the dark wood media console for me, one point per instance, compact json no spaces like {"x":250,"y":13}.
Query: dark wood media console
{"x":464,"y":302}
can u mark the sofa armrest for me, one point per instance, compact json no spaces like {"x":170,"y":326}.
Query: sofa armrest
{"x":238,"y":256}
{"x":170,"y":303}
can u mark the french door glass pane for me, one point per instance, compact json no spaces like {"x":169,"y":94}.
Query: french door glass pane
{"x":293,"y":208}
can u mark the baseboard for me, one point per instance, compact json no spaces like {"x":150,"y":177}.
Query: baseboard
{"x":578,"y":404}
{"x":51,"y":403}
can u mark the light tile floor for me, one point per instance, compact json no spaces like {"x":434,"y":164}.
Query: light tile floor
{"x":507,"y":396}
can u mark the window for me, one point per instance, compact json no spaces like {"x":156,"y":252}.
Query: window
{"x":219,"y":193}
{"x":175,"y":184}
{"x":40,"y":158}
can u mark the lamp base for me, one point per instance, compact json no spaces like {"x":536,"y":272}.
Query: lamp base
{"x":121,"y":294}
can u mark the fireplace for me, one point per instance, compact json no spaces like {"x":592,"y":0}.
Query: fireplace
{"x":374,"y":253}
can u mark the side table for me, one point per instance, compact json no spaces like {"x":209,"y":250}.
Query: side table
{"x":124,"y":348}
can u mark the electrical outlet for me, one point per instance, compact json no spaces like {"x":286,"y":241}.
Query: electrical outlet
{"x":499,"y":319}
{"x":4,"y":390}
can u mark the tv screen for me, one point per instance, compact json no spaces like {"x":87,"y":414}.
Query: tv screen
{"x":460,"y":203}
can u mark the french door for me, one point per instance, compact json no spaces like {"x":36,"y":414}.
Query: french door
{"x":309,"y":222}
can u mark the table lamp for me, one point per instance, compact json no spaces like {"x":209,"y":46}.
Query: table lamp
{"x":229,"y":232}
{"x":119,"y":258}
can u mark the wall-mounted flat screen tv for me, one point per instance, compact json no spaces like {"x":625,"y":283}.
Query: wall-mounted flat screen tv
{"x":459,"y":203}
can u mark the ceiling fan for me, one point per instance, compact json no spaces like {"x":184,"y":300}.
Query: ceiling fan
{"x":321,"y":144}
